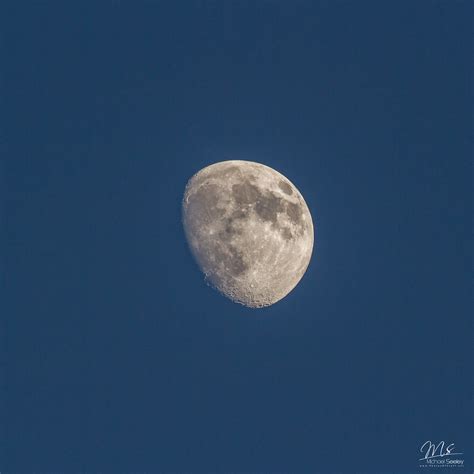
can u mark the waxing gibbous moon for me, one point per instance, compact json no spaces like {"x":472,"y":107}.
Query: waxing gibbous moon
{"x":249,"y":230}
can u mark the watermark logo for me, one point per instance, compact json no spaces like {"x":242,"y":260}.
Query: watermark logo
{"x":442,"y":454}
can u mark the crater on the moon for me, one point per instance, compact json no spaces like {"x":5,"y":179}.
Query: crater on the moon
{"x":249,"y":229}
{"x":285,"y":187}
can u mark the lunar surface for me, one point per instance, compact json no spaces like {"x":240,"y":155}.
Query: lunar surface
{"x":249,"y":230}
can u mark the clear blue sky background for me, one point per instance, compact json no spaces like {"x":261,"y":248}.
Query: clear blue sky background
{"x":117,"y":354}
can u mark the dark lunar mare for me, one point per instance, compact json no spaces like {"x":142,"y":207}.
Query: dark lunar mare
{"x":267,"y":205}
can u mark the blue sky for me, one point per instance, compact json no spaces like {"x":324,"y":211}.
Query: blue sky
{"x":118,"y":356}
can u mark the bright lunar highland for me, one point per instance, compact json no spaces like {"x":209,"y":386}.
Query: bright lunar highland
{"x":249,"y":230}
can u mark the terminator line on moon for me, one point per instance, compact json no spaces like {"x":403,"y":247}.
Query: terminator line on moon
{"x":249,"y":230}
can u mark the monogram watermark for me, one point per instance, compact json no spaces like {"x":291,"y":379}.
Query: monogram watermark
{"x":442,"y":454}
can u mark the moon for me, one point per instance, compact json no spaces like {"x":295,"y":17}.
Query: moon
{"x":249,"y":230}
